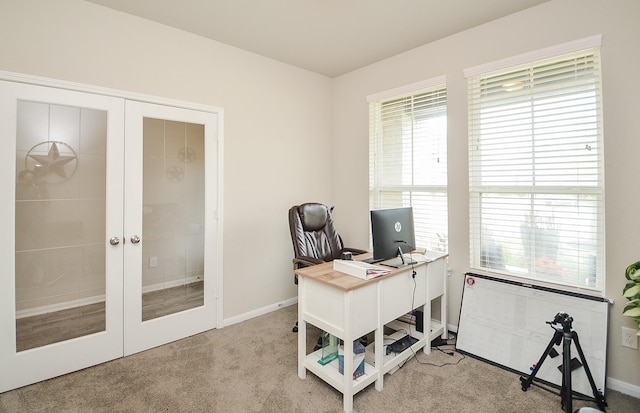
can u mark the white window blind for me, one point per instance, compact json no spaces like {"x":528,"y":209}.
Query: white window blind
{"x":536,"y":170}
{"x":408,"y":160}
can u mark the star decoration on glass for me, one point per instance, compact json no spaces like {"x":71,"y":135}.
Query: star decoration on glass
{"x":175,"y":173}
{"x":186,"y":155}
{"x":52,"y":162}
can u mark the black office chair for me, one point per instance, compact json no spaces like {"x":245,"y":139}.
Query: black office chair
{"x":314,"y":237}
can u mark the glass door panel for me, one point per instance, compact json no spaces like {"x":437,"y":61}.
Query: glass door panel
{"x":61,"y":304}
{"x":59,"y":223}
{"x":172,"y":217}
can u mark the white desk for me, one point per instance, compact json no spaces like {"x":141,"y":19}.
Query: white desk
{"x":349,"y":308}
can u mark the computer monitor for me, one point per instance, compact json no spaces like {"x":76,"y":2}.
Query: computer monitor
{"x":393,"y":234}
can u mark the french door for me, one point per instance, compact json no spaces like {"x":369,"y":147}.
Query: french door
{"x":169,"y":293}
{"x":108,"y":207}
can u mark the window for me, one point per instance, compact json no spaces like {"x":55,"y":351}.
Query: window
{"x":408,"y":157}
{"x":536,"y":170}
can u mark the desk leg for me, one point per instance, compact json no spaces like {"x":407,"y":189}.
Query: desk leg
{"x":302,"y":333}
{"x":443,"y":307}
{"x":348,"y":374}
{"x":426,"y":324}
{"x":347,"y":361}
{"x":378,"y":346}
{"x":302,"y":347}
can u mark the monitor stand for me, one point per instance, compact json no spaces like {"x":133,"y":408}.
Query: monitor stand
{"x":399,"y":261}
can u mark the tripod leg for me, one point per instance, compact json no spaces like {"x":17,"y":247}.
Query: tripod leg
{"x":557,"y":336}
{"x":597,"y":395}
{"x":567,"y":393}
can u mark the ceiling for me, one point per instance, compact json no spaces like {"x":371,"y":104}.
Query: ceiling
{"x":330,"y":37}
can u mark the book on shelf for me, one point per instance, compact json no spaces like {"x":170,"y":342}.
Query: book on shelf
{"x":359,"y":269}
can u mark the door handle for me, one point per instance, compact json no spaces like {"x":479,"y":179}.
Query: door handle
{"x":114,"y":241}
{"x":135,"y":239}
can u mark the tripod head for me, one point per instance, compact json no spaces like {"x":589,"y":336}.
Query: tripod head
{"x":564,"y":319}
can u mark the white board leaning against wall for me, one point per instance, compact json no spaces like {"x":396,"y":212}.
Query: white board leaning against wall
{"x":506,"y":323}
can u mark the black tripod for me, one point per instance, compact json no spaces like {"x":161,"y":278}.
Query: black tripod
{"x":566,"y":335}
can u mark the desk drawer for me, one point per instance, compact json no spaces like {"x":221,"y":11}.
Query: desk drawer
{"x":436,"y":278}
{"x":397,"y":293}
{"x":329,"y":307}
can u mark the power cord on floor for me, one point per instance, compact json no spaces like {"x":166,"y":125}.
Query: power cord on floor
{"x":447,"y":351}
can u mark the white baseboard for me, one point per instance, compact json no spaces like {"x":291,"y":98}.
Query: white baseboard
{"x":66,"y":305}
{"x":623,"y":387}
{"x":171,"y":284}
{"x":258,"y":312}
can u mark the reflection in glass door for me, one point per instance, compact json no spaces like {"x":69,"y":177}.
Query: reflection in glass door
{"x":59,"y":223}
{"x":172,"y":217}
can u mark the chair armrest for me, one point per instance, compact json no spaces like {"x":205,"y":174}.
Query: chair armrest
{"x":301,"y":262}
{"x":354,"y":251}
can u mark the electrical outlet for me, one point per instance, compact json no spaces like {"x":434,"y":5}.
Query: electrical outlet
{"x":153,"y":262}
{"x":629,"y":338}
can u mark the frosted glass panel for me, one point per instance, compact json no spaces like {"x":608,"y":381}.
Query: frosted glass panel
{"x":172,"y":217}
{"x":59,"y":223}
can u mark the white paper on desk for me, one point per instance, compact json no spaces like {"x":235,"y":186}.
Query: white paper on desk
{"x":359,"y":269}
{"x":418,"y":257}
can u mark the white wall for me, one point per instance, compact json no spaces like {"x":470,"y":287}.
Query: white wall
{"x":546,"y":25}
{"x":273,"y":113}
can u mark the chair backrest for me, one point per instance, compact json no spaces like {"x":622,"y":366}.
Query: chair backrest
{"x":313,"y":233}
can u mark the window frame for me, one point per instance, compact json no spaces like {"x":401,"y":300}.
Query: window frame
{"x":477,"y":188}
{"x":419,"y":195}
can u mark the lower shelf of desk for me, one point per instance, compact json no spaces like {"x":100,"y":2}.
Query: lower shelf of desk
{"x":330,"y":373}
{"x":436,"y":328}
{"x":393,"y":361}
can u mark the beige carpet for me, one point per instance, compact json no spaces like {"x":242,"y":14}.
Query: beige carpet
{"x":252,"y":367}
